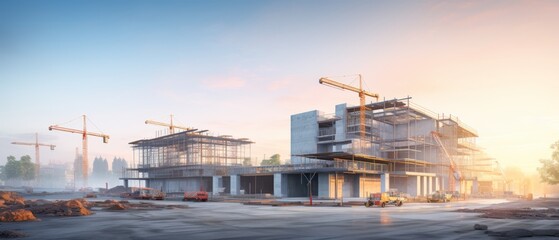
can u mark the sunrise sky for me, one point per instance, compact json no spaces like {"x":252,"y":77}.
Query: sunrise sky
{"x":243,"y":67}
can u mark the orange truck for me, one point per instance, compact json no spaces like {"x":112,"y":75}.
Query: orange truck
{"x":200,"y":196}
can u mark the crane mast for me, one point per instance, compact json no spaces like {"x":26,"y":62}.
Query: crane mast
{"x":84,"y":134}
{"x":37,"y":145}
{"x":362,"y":94}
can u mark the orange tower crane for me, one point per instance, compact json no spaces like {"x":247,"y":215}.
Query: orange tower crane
{"x":37,"y":145}
{"x":362,"y":93}
{"x":171,"y":126}
{"x":84,"y":134}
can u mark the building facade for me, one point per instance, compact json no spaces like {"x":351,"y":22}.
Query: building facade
{"x":420,"y":151}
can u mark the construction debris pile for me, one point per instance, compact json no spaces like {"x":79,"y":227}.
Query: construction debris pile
{"x":116,"y":191}
{"x":74,"y":207}
{"x":14,"y":208}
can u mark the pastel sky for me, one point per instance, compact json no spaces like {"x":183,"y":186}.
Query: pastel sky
{"x":243,"y":67}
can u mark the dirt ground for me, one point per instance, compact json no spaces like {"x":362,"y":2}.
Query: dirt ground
{"x":540,"y":209}
{"x":219,"y":220}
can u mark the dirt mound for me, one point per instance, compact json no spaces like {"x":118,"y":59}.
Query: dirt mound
{"x":18,"y":215}
{"x":116,"y":191}
{"x":74,"y":207}
{"x":37,"y":202}
{"x":117,"y":206}
{"x":11,"y":198}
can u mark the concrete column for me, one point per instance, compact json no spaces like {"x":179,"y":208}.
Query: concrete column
{"x":418,"y":186}
{"x":217,"y":183}
{"x":424,"y":186}
{"x":277,"y":185}
{"x":429,"y":185}
{"x":437,"y":186}
{"x":126,"y":184}
{"x":235,"y":184}
{"x":384,"y":182}
{"x":323,"y":185}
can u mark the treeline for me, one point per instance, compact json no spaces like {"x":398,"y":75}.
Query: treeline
{"x":101,"y":174}
{"x":22,"y":169}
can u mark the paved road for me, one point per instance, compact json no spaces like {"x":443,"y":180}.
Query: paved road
{"x":235,"y":221}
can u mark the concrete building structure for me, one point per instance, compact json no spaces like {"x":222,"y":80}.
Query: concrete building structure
{"x":404,"y":147}
{"x":417,"y":148}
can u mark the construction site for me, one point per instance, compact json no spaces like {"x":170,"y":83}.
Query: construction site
{"x":388,"y":145}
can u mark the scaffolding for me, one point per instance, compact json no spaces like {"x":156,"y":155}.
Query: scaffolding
{"x":186,"y":154}
{"x":400,"y":132}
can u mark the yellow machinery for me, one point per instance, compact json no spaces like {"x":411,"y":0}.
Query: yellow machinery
{"x":385,"y":198}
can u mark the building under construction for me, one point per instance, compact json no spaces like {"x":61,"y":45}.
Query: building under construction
{"x":394,"y":144}
{"x":420,"y":151}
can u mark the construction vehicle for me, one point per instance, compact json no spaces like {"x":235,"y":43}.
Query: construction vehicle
{"x":158,"y":195}
{"x":144,"y":193}
{"x":385,"y":198}
{"x":90,"y":195}
{"x":439,"y":196}
{"x":200,"y":196}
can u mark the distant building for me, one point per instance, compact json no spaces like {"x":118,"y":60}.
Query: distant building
{"x":53,"y":176}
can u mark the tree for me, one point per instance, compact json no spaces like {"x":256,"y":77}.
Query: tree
{"x":274,"y":160}
{"x":12,"y":168}
{"x":118,"y":165}
{"x":549,"y":171}
{"x":27,"y":168}
{"x":247,"y":162}
{"x":22,"y":169}
{"x":100,"y":169}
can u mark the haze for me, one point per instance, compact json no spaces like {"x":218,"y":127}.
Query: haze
{"x":243,"y":67}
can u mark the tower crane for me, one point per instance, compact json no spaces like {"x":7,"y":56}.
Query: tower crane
{"x":84,"y":134}
{"x":171,"y":126}
{"x":362,"y":93}
{"x":37,"y":145}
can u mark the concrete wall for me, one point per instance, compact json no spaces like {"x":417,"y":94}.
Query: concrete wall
{"x":182,"y":185}
{"x":304,"y":132}
{"x":324,"y":185}
{"x":368,"y":184}
{"x":341,"y":125}
{"x":400,"y":183}
{"x":385,"y":182}
{"x":348,"y":187}
{"x":414,"y":185}
{"x":258,"y":184}
{"x":235,"y":184}
{"x":296,"y":185}
{"x":417,"y":128}
{"x":217,"y":183}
